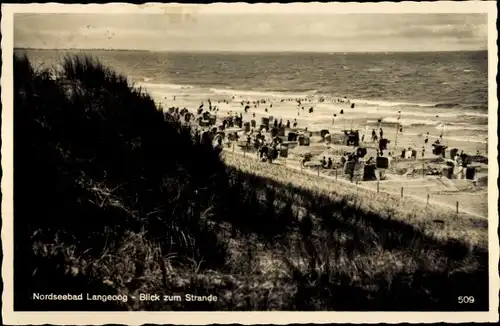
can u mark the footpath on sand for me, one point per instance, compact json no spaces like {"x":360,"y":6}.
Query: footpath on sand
{"x":296,"y":167}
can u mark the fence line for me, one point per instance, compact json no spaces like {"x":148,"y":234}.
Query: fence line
{"x":417,"y":198}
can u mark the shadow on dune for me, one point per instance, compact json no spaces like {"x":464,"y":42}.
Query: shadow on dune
{"x":424,"y":289}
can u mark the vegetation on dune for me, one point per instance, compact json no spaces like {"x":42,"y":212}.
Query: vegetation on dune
{"x":114,"y":196}
{"x":96,"y":159}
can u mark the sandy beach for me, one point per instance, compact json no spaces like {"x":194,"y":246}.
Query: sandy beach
{"x":295,"y":108}
{"x":362,"y":117}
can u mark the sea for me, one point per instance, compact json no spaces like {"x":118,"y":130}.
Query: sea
{"x":436,"y":90}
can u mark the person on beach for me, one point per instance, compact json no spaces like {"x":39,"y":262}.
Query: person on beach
{"x":330,"y":163}
{"x":253,"y":114}
{"x":381,"y":133}
{"x":323,"y":162}
{"x":288,"y":123}
{"x":423,"y":151}
{"x":294,"y":123}
{"x":426,"y":138}
{"x":374,"y":136}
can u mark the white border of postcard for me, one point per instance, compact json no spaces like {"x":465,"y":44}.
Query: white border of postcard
{"x":199,"y":318}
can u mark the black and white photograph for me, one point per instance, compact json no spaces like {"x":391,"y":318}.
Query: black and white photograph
{"x":308,"y":158}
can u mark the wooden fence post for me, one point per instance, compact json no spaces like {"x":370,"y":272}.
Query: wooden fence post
{"x":428,"y":196}
{"x":401,"y":192}
{"x":378,"y":185}
{"x":336,"y":174}
{"x":457,"y":207}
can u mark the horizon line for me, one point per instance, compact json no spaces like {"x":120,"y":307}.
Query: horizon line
{"x":247,"y":51}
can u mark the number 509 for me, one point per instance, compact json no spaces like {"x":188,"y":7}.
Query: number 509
{"x":465,"y":299}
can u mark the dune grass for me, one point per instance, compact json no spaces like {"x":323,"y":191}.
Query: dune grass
{"x":114,"y":196}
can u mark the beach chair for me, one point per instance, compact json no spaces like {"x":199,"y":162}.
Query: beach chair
{"x":470,"y":173}
{"x":447,"y":172}
{"x":369,"y":172}
{"x":382,"y":162}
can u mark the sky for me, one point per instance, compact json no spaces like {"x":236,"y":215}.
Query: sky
{"x":254,"y":31}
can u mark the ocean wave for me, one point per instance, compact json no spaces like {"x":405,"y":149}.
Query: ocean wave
{"x":261,"y":94}
{"x":405,"y":122}
{"x":446,"y":105}
{"x":389,"y":103}
{"x":404,"y":113}
{"x":169,"y":86}
{"x":474,"y":114}
{"x":460,"y":126}
{"x":469,"y":139}
{"x":426,"y":123}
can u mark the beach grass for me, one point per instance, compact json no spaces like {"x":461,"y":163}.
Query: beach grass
{"x":112,"y":196}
